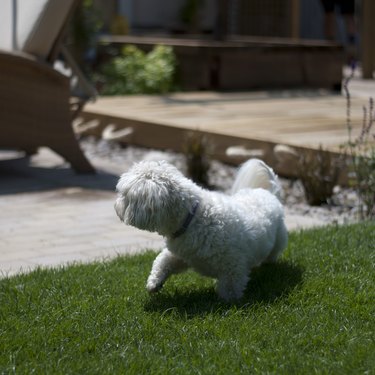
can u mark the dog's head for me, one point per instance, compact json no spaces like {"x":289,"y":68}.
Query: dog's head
{"x":152,"y":196}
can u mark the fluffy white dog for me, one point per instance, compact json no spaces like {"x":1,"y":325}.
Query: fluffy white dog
{"x":218,"y":235}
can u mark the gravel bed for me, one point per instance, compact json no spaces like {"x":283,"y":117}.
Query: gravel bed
{"x":342,"y":208}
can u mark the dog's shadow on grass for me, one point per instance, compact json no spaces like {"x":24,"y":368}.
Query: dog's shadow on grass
{"x":268,"y":284}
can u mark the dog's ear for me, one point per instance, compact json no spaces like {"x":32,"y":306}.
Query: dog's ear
{"x":120,"y":208}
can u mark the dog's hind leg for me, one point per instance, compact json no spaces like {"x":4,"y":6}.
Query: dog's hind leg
{"x":231,"y":288}
{"x":165,"y":264}
{"x":280,"y":244}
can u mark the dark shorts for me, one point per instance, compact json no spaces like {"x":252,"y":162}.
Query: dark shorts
{"x":345,"y":6}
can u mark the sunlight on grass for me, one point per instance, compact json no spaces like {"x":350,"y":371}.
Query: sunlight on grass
{"x":312,"y":312}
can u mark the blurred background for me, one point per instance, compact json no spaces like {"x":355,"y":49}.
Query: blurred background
{"x":287,"y":18}
{"x":222,"y":19}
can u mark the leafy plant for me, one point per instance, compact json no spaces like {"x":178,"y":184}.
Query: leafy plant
{"x":189,"y":14}
{"x":197,"y":159}
{"x":361,"y":152}
{"x":318,"y":172}
{"x":137,"y":72}
{"x":85,"y":25}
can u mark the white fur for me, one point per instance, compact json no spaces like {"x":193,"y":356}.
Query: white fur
{"x":229,"y":234}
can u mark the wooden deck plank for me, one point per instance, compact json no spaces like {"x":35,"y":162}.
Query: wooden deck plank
{"x":278,"y":108}
{"x":240,"y":112}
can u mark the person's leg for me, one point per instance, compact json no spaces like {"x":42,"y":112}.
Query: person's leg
{"x":347,"y":8}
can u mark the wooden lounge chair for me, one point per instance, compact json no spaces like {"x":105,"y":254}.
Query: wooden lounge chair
{"x":35,"y":99}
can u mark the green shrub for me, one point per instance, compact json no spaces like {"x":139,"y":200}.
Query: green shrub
{"x":361,"y":153}
{"x":86,"y":23}
{"x":197,"y":158}
{"x":318,"y":172}
{"x":135,"y":72}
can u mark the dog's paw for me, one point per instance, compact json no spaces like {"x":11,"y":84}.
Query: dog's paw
{"x":153,"y":286}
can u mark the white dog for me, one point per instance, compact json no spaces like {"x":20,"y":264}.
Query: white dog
{"x":218,"y":235}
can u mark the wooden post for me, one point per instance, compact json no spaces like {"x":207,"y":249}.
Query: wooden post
{"x":221,"y":27}
{"x":368,"y":38}
{"x":295,"y":19}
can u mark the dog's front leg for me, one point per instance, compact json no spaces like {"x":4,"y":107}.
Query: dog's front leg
{"x":164,"y":265}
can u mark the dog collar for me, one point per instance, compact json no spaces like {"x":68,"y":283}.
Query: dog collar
{"x":187,"y":221}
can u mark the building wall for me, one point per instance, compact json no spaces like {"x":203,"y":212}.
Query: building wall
{"x":311,"y":19}
{"x":164,"y":15}
{"x":155,"y":14}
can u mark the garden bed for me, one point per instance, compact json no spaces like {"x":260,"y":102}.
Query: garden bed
{"x":340,"y":209}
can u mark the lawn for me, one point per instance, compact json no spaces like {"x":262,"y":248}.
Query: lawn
{"x":312,"y":312}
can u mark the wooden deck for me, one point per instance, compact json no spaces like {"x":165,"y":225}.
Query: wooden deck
{"x":258,"y":120}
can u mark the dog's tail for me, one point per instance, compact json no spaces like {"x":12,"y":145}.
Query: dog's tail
{"x":256,"y":174}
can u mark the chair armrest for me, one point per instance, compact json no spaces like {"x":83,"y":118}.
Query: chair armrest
{"x":25,"y":66}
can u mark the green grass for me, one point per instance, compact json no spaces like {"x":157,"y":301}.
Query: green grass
{"x":312,"y":312}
